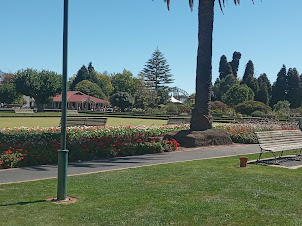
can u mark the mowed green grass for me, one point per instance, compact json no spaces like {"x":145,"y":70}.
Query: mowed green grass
{"x":11,"y":122}
{"x":204,"y":192}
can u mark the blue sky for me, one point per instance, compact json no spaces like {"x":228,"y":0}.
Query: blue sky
{"x":118,"y":34}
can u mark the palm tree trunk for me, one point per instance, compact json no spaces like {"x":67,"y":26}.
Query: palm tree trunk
{"x":201,"y":116}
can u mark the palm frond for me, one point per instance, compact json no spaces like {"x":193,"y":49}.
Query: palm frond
{"x":222,"y":3}
{"x":168,"y":3}
{"x":191,"y":4}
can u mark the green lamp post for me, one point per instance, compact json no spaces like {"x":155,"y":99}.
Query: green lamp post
{"x":63,"y":152}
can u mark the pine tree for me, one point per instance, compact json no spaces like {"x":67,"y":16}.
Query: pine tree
{"x":279,"y":88}
{"x":157,"y":71}
{"x":224,"y":67}
{"x":235,"y":62}
{"x":293,"y":88}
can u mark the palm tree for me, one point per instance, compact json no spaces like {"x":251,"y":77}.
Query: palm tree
{"x":201,"y":115}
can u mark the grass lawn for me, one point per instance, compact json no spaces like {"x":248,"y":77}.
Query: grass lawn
{"x":204,"y":192}
{"x":54,"y":121}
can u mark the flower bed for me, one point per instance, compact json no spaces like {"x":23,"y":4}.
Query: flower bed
{"x":32,"y":146}
{"x":245,"y":133}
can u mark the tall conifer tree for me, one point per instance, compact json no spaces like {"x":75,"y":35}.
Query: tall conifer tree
{"x":264,"y":79}
{"x":157,"y":71}
{"x":235,"y":62}
{"x":82,"y":74}
{"x":248,"y":77}
{"x":249,"y":70}
{"x":252,"y":83}
{"x":224,"y":67}
{"x":293,"y":88}
{"x":262,"y":94}
{"x":279,"y":89}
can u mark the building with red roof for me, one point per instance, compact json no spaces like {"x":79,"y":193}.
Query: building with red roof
{"x":77,"y":100}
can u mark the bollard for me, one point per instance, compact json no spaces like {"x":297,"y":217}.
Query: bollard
{"x":243,"y":161}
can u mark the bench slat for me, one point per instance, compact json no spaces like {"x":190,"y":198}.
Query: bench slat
{"x":85,"y":121}
{"x":273,"y":141}
{"x":284,"y":148}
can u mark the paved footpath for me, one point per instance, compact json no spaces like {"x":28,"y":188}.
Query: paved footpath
{"x":75,"y":168}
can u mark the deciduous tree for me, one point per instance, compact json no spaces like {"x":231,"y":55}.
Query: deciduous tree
{"x":237,"y":94}
{"x":39,"y":85}
{"x":9,"y":95}
{"x":91,"y":89}
{"x":122,"y":100}
{"x":124,"y":82}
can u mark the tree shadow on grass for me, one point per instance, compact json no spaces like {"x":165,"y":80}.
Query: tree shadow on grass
{"x":22,"y":203}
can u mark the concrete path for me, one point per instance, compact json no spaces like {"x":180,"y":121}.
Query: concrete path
{"x":50,"y":171}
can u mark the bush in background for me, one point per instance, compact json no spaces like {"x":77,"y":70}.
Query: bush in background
{"x":248,"y":107}
{"x":218,"y":106}
{"x":171,"y":108}
{"x":184,"y":109}
{"x":282,"y":108}
{"x":245,"y":133}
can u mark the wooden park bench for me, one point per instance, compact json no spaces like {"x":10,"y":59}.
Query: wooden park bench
{"x":24,"y":110}
{"x":85,"y":121}
{"x":281,"y":140}
{"x":178,"y":120}
{"x":96,"y":121}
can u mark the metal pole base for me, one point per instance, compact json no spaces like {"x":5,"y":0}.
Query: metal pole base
{"x":62,"y":174}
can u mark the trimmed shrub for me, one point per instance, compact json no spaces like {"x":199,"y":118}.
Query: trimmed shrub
{"x":238,"y":94}
{"x":248,"y":107}
{"x":258,"y":114}
{"x":218,"y":105}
